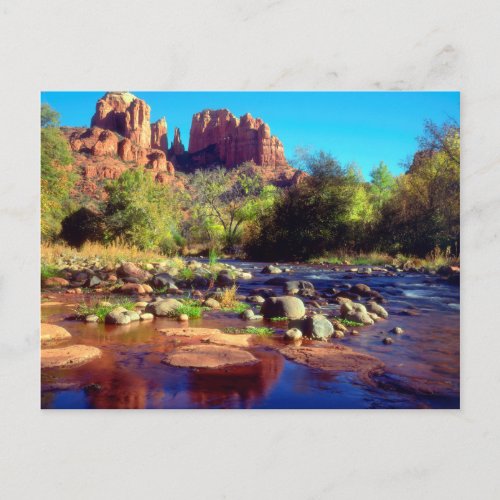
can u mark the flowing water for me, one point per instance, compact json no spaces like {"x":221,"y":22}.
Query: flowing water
{"x":422,"y":365}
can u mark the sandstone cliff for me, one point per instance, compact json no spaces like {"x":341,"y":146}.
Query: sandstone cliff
{"x":159,"y":135}
{"x":235,"y":140}
{"x":124,"y":113}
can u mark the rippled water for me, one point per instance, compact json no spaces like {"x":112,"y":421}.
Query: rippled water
{"x":422,"y":366}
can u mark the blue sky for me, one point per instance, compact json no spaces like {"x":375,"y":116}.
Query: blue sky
{"x":361,"y":127}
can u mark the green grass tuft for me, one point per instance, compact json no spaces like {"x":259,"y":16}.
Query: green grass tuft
{"x":261,"y":331}
{"x":85,"y":309}
{"x":348,"y":322}
{"x":186,"y":274}
{"x":279,"y":318}
{"x":49,"y":271}
{"x":238,"y":307}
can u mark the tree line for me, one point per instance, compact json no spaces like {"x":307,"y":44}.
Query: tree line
{"x":332,"y":209}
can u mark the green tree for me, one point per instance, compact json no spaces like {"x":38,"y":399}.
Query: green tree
{"x":57,"y":179}
{"x":312,"y":217}
{"x":228,"y":199}
{"x":49,"y":117}
{"x":141,"y":212}
{"x":425,"y":209}
{"x":382,"y":184}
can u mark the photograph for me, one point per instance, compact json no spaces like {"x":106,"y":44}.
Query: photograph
{"x":250,"y":249}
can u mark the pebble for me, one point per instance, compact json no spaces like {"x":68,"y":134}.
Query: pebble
{"x":91,"y":318}
{"x":397,"y":330}
{"x":183,"y":317}
{"x":388,"y":341}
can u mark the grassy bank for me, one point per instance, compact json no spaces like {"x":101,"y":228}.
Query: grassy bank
{"x":432,"y":261}
{"x":52,"y":253}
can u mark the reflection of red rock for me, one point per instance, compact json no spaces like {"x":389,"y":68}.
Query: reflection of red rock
{"x":235,"y":140}
{"x":239,"y":387}
{"x":124,"y":113}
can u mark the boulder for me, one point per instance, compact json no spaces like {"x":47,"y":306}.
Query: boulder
{"x":256,"y":299}
{"x":271,"y":270}
{"x":293,"y":334}
{"x":132,"y":289}
{"x":317,"y":327}
{"x":162,"y":280}
{"x":118,"y":316}
{"x":212,"y":303}
{"x":224,"y":280}
{"x":163,"y":307}
{"x":289,"y":307}
{"x":92,"y":282}
{"x":131,"y":270}
{"x":373,"y":307}
{"x":248,"y":314}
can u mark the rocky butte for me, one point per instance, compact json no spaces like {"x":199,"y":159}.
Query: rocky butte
{"x":120,"y":137}
{"x":235,"y":140}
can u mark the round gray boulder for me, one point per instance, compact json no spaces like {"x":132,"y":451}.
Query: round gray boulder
{"x":289,"y":307}
{"x":163,"y":307}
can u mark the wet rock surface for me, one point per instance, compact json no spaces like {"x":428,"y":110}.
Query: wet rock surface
{"x":69,"y":357}
{"x":209,"y":356}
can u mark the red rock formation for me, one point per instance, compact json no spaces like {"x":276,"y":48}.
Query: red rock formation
{"x":124,"y":113}
{"x":159,"y":135}
{"x":95,"y":141}
{"x":177,"y":146}
{"x":235,"y":140}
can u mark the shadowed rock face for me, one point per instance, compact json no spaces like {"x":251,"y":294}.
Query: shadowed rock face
{"x":236,"y":140}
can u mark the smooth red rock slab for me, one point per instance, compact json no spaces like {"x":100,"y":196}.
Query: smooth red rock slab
{"x":208,"y":356}
{"x":53,"y":333}
{"x":334,"y":358}
{"x":210,"y":335}
{"x":69,"y":357}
